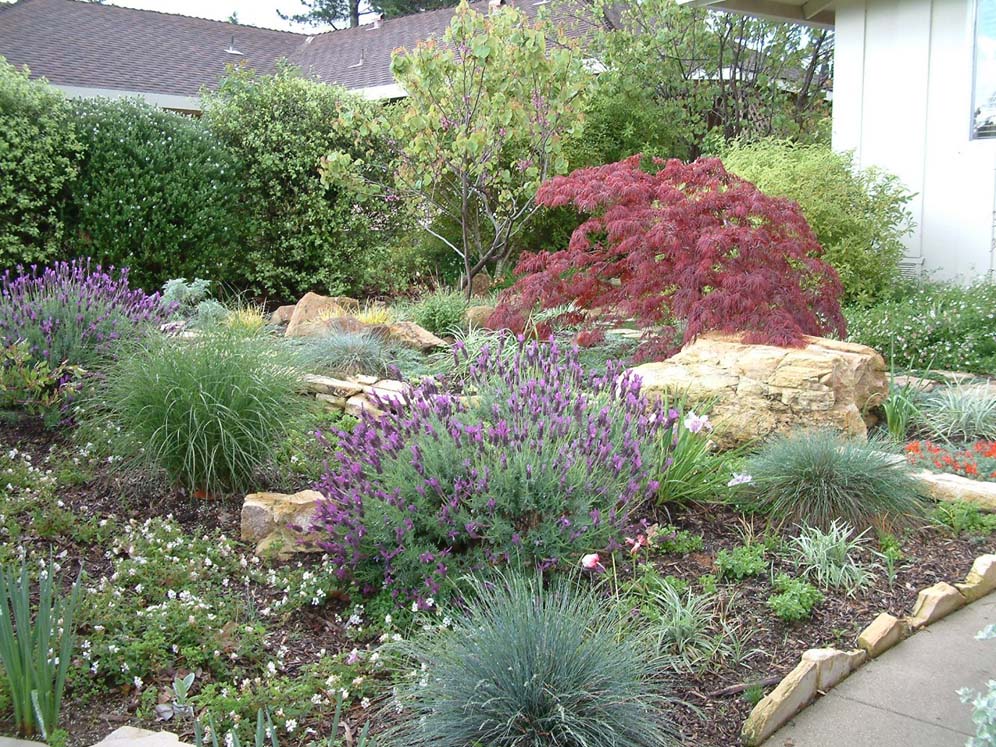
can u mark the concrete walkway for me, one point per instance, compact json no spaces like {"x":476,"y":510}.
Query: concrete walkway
{"x":907,"y":697}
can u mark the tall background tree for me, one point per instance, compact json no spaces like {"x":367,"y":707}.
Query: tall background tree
{"x":484,"y":123}
{"x":336,"y":13}
{"x":675,"y":75}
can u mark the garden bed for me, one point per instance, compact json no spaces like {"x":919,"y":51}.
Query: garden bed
{"x":717,"y":698}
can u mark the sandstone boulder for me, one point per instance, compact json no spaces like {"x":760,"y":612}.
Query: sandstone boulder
{"x":312,"y":311}
{"x":267,"y":518}
{"x":477,"y":316}
{"x":935,"y":602}
{"x":411,"y":335}
{"x":760,"y":390}
{"x":981,"y":580}
{"x":282,"y":315}
{"x":942,"y":486}
{"x":884,"y":632}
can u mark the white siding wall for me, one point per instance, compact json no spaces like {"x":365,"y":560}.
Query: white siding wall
{"x":902,"y":101}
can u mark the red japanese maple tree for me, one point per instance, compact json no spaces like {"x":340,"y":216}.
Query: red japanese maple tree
{"x":691,"y":245}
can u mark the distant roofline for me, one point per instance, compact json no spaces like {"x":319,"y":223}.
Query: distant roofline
{"x":124,"y":8}
{"x":819,"y":13}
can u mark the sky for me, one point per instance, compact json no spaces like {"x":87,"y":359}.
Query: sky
{"x":253,"y":12}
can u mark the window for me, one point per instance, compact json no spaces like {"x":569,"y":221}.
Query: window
{"x":984,"y":93}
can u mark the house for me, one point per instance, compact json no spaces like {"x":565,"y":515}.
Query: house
{"x":915,"y":93}
{"x":88,"y":49}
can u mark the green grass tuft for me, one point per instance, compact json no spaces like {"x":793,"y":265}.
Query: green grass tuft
{"x":818,"y":477}
{"x":208,"y":411}
{"x":525,"y":666}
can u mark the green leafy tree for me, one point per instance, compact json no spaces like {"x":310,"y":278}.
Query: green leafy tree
{"x":484,"y":123}
{"x":673,"y":73}
{"x":302,"y":232}
{"x":39,"y":150}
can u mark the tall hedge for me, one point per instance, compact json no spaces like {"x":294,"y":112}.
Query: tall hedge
{"x":157,"y":192}
{"x":859,"y":216}
{"x":302,"y":233}
{"x":38,"y":154}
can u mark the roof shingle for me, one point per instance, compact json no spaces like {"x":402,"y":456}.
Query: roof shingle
{"x":82,"y":44}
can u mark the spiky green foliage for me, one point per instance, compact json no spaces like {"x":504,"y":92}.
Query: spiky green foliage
{"x":819,"y":476}
{"x":528,"y":666}
{"x":441,"y":312}
{"x":207,"y":411}
{"x":348,"y":353}
{"x":957,"y":412}
{"x":832,"y":558}
{"x":36,"y":645}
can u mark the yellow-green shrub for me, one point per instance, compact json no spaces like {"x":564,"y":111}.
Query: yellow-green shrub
{"x":860,"y":216}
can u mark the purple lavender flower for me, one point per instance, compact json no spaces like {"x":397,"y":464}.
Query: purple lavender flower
{"x":543,"y":464}
{"x":74,"y":311}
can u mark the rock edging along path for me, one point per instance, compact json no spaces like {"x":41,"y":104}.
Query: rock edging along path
{"x":819,"y":670}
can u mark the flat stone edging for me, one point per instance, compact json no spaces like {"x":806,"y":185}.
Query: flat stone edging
{"x":820,"y":669}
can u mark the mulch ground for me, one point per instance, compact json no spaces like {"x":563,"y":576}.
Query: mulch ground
{"x":714,"y":707}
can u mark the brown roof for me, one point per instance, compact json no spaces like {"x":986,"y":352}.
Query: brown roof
{"x":104,"y":46}
{"x":83,"y":44}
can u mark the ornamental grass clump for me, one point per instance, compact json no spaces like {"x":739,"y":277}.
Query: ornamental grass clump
{"x":541,"y":465}
{"x":208,"y":411}
{"x":74,"y":312}
{"x":817,"y":477}
{"x":528,"y":666}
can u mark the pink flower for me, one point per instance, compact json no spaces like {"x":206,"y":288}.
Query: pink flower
{"x":591,"y":562}
{"x":697,"y":423}
{"x":636,"y":544}
{"x":739,"y":478}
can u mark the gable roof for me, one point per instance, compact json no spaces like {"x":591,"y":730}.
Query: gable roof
{"x":87,"y":45}
{"x":106,"y":46}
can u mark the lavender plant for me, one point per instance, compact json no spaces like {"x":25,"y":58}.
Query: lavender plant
{"x":73,"y":312}
{"x":542,"y":464}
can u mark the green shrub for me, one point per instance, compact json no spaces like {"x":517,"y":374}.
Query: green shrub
{"x":964,"y":518}
{"x":349,"y":353}
{"x":39,"y":150}
{"x":670,"y":539}
{"x":830,"y":558}
{"x":207,"y":411}
{"x":955,"y":412}
{"x":524,"y":665}
{"x":36,"y":648}
{"x":34,"y":385}
{"x":817,"y":477}
{"x":157,"y":193}
{"x":859,"y":216}
{"x":302,"y":233}
{"x":441,"y":312}
{"x":794,"y":599}
{"x":741,"y":562}
{"x":931,"y":325}
{"x":186,"y":295}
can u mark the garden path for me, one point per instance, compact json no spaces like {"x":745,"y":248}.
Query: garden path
{"x":907,"y":697}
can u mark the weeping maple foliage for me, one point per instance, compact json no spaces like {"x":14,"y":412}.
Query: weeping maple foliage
{"x":691,"y":246}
